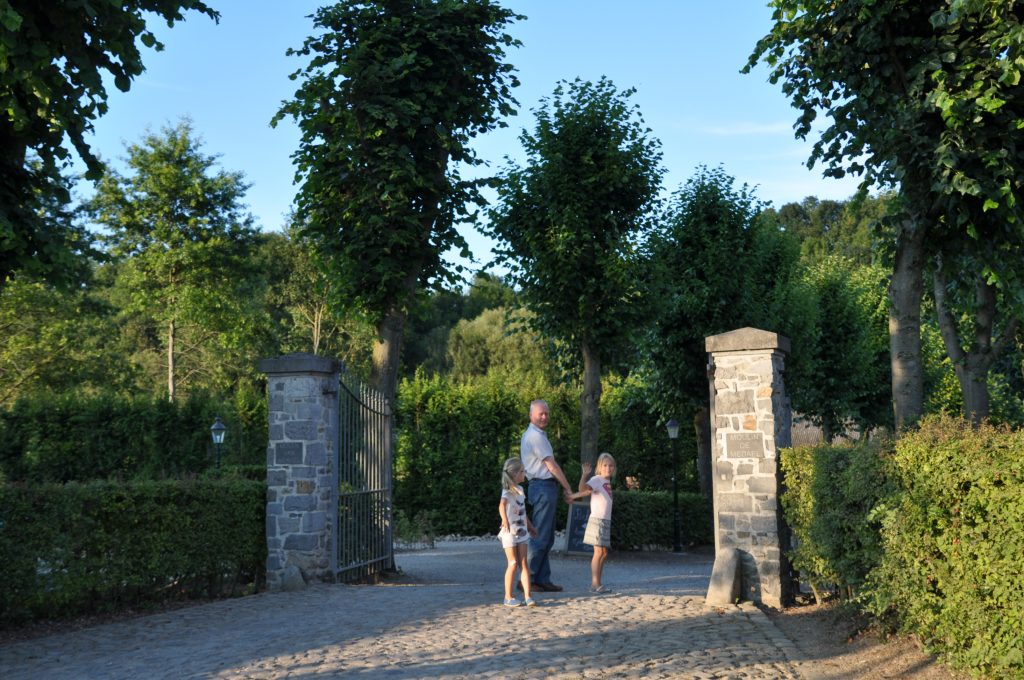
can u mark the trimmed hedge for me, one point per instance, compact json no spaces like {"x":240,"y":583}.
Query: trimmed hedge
{"x":453,"y":438}
{"x":829,"y":497}
{"x":645,"y":518}
{"x":102,"y":546}
{"x":63,"y":438}
{"x":953,"y":543}
{"x":929,"y":530}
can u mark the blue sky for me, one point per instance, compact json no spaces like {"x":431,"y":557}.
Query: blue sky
{"x":683,"y":57}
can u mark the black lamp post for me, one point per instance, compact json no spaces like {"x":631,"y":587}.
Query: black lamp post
{"x":673,"y":432}
{"x":217,"y":431}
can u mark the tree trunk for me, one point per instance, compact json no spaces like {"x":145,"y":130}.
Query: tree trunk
{"x":905,"y":292}
{"x":170,"y":361}
{"x":318,"y":321}
{"x":386,"y":354}
{"x":972,"y":365}
{"x":702,"y":427}
{"x":590,"y":400}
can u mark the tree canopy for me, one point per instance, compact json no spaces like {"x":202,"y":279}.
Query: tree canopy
{"x":568,"y":223}
{"x":180,"y":226}
{"x":54,"y":56}
{"x":393,"y":92}
{"x":923,"y":97}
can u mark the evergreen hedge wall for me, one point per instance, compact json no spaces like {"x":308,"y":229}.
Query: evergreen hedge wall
{"x":953,"y":538}
{"x":453,"y":438}
{"x":62,"y":438}
{"x":102,"y":546}
{"x":929,"y":531}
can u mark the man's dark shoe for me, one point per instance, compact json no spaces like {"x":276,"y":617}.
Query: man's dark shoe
{"x":548,"y":587}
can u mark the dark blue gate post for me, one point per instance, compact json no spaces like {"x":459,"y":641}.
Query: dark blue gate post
{"x":301,"y":500}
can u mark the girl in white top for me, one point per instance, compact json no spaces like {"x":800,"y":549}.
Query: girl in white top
{"x":599,"y":526}
{"x":516,"y":530}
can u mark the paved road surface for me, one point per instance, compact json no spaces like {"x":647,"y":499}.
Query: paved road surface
{"x":442,"y":619}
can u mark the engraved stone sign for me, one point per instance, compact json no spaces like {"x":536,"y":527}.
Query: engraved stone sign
{"x":744,"y":445}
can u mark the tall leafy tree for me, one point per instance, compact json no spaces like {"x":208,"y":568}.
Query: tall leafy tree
{"x":926,"y":97}
{"x":719,"y":262}
{"x":567,"y":225}
{"x":53,"y":58}
{"x":392,"y":95}
{"x":179,"y":227}
{"x":56,"y":340}
{"x":299,"y":302}
{"x":850,"y":353}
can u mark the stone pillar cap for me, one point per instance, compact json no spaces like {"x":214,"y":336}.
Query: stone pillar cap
{"x":745,"y":339}
{"x":299,"y":362}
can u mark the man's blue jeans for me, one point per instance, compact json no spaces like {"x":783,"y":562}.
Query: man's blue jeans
{"x":543,"y":497}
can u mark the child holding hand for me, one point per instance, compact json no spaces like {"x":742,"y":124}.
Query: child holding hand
{"x":516,"y":529}
{"x":599,"y":526}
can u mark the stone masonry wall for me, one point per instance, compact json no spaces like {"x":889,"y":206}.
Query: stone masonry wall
{"x":751,"y":421}
{"x":303,"y":421}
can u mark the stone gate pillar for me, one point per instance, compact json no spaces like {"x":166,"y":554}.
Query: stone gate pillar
{"x":750,"y":421}
{"x":302,"y":414}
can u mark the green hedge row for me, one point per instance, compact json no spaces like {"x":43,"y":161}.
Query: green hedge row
{"x":928,"y":531}
{"x":63,"y":438}
{"x":953,"y":541}
{"x":103,"y":546}
{"x":647,"y":518}
{"x":830,"y":495}
{"x":453,"y":438}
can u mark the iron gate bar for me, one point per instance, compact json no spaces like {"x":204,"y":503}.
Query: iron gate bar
{"x":363,"y":516}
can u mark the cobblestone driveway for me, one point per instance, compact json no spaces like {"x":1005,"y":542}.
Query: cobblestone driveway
{"x":443,"y":620}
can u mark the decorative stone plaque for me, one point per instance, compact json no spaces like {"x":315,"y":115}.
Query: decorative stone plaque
{"x":744,"y":445}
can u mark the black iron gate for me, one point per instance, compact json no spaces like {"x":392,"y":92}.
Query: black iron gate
{"x":363,"y":471}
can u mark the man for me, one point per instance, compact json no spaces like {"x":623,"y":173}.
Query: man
{"x":545,"y":475}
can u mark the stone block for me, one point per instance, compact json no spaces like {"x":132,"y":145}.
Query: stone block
{"x":744,"y":469}
{"x":726,"y":522}
{"x":288,"y":525}
{"x":288,"y":453}
{"x":302,"y":542}
{"x":303,"y":472}
{"x":762,"y":524}
{"x":277,"y":477}
{"x":314,"y":521}
{"x":276,"y":432}
{"x":273,"y":563}
{"x":303,"y":430}
{"x":305,"y":486}
{"x":316,"y":454}
{"x":271,"y":526}
{"x":275,"y":508}
{"x":299,"y":503}
{"x":735,"y":502}
{"x":734,"y":402}
{"x":275,"y":402}
{"x":725,"y":583}
{"x":749,"y":423}
{"x":762,"y":484}
{"x":724,"y":469}
{"x":292,"y":580}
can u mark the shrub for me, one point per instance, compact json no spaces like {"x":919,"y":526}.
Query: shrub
{"x":828,"y":500}
{"x":454,"y":436}
{"x":646,"y":518}
{"x":103,"y":546}
{"x":63,"y":438}
{"x":953,"y":543}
